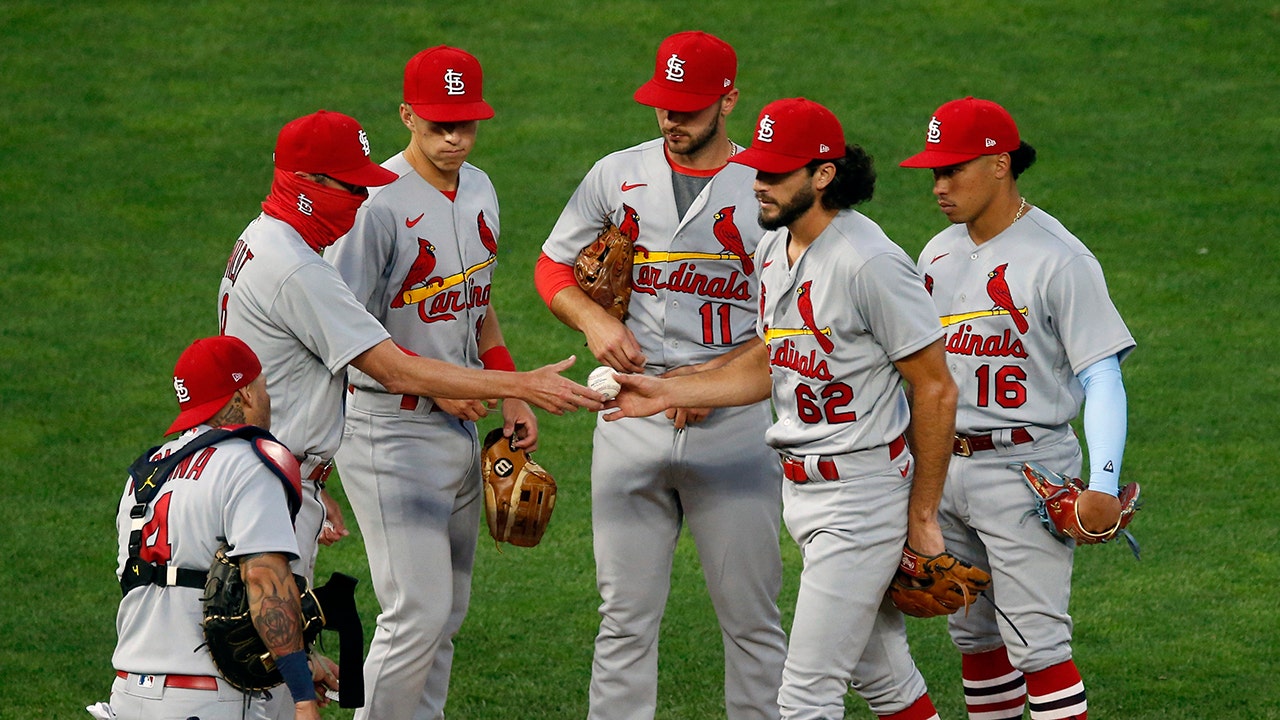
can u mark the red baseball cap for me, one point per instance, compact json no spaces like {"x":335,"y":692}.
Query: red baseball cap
{"x":329,"y":143}
{"x":962,"y":130}
{"x":789,"y":134}
{"x":207,"y":375}
{"x":445,"y":84}
{"x":692,"y":71}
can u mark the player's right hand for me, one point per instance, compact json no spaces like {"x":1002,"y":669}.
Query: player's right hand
{"x":547,"y":389}
{"x":613,"y":344}
{"x":471,"y":410}
{"x":640,"y":396}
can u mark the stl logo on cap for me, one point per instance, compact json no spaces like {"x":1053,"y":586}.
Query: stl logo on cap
{"x":453,"y":84}
{"x":675,"y":68}
{"x":935,"y":131}
{"x":765,"y":134}
{"x":180,"y":389}
{"x":364,"y":143}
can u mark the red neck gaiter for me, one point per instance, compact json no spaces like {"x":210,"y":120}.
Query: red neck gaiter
{"x":319,"y":213}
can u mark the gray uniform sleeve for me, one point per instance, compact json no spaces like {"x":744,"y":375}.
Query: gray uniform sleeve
{"x":319,"y":309}
{"x":895,"y":306}
{"x":1083,"y":316}
{"x":364,"y":257}
{"x":581,"y":219}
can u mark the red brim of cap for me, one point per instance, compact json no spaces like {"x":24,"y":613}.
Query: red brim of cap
{"x":193,"y":416}
{"x":936,"y":159}
{"x":664,"y":98}
{"x":453,"y":112}
{"x":769,"y":162}
{"x":369,"y":175}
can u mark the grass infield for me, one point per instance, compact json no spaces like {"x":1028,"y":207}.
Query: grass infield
{"x":135,"y":144}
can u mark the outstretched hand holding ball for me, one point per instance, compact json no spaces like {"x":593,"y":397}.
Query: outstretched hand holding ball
{"x":602,"y":381}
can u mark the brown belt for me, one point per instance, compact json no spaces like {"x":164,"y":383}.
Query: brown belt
{"x":966,"y":445}
{"x":321,"y":472}
{"x":793,"y":468}
{"x":183,"y":682}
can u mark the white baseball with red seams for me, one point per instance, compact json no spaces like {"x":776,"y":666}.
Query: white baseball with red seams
{"x":602,"y":381}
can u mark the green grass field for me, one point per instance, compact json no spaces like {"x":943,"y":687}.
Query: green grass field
{"x":135,"y":144}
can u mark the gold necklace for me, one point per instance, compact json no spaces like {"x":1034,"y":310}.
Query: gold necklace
{"x":1022,"y":207}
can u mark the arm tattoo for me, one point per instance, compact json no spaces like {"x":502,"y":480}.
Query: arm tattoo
{"x":273,"y":602}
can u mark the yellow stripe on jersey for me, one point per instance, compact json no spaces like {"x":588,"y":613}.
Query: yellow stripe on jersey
{"x":773,"y":333}
{"x":949,"y":320}
{"x":419,"y":294}
{"x":662,"y":256}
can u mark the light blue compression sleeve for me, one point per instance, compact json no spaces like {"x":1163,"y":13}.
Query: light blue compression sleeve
{"x":1105,"y":423}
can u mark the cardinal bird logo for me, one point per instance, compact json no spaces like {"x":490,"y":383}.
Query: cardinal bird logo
{"x":421,"y":269}
{"x":804,"y":303}
{"x":630,"y":225}
{"x":998,"y":290}
{"x":727,"y":233}
{"x":928,"y":283}
{"x":487,"y":238}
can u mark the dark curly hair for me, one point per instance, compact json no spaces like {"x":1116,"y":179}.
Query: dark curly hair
{"x":855,"y":179}
{"x":1021,"y":159}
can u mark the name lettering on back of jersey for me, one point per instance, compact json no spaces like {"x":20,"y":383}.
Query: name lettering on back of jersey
{"x":240,"y":254}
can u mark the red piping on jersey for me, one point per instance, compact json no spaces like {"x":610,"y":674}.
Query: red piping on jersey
{"x":550,"y":277}
{"x":689,"y":171}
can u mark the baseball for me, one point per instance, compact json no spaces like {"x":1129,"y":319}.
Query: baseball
{"x":601,"y":380}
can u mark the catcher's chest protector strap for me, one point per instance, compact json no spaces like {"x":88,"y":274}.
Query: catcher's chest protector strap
{"x":149,"y":476}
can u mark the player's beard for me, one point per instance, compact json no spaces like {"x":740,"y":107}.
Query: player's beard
{"x":791,"y":211}
{"x":695,"y":144}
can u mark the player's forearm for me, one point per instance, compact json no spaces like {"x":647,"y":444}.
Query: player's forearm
{"x":932,"y":433}
{"x":741,"y":381}
{"x":575,"y":309}
{"x":274,"y":605}
{"x":402,"y":374}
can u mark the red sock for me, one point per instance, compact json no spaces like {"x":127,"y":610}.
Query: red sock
{"x":993,"y":688}
{"x":1057,"y":693}
{"x":921,"y":709}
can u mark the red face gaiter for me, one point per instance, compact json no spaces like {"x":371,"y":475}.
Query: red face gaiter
{"x":319,"y":213}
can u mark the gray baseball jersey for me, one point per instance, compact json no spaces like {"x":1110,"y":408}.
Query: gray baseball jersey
{"x":834,"y":323}
{"x":694,"y":298}
{"x":223,"y":491}
{"x":703,"y":259}
{"x":1024,"y":312}
{"x":294,"y":311}
{"x":422,"y":264}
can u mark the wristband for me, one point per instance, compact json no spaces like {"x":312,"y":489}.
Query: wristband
{"x":297,"y":675}
{"x":498,"y":358}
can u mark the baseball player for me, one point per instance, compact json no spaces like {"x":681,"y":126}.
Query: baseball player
{"x":421,"y":258}
{"x":843,"y":322}
{"x":224,"y":492}
{"x":293,"y":308}
{"x":693,"y":306}
{"x":1031,"y":332}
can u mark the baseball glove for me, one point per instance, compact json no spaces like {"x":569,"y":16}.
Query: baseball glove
{"x":603,"y":270}
{"x":518,"y":494}
{"x":927,"y":586}
{"x":233,"y":641}
{"x":1055,"y":504}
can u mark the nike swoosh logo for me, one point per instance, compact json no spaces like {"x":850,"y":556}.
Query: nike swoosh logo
{"x":939,"y":258}
{"x":632,"y":186}
{"x":906,"y":469}
{"x":410,"y":223}
{"x":766,"y":263}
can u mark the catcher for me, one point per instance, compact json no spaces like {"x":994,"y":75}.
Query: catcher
{"x":207,"y":488}
{"x":518,"y":494}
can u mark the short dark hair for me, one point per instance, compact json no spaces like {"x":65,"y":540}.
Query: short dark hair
{"x":855,"y":179}
{"x":1021,"y":159}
